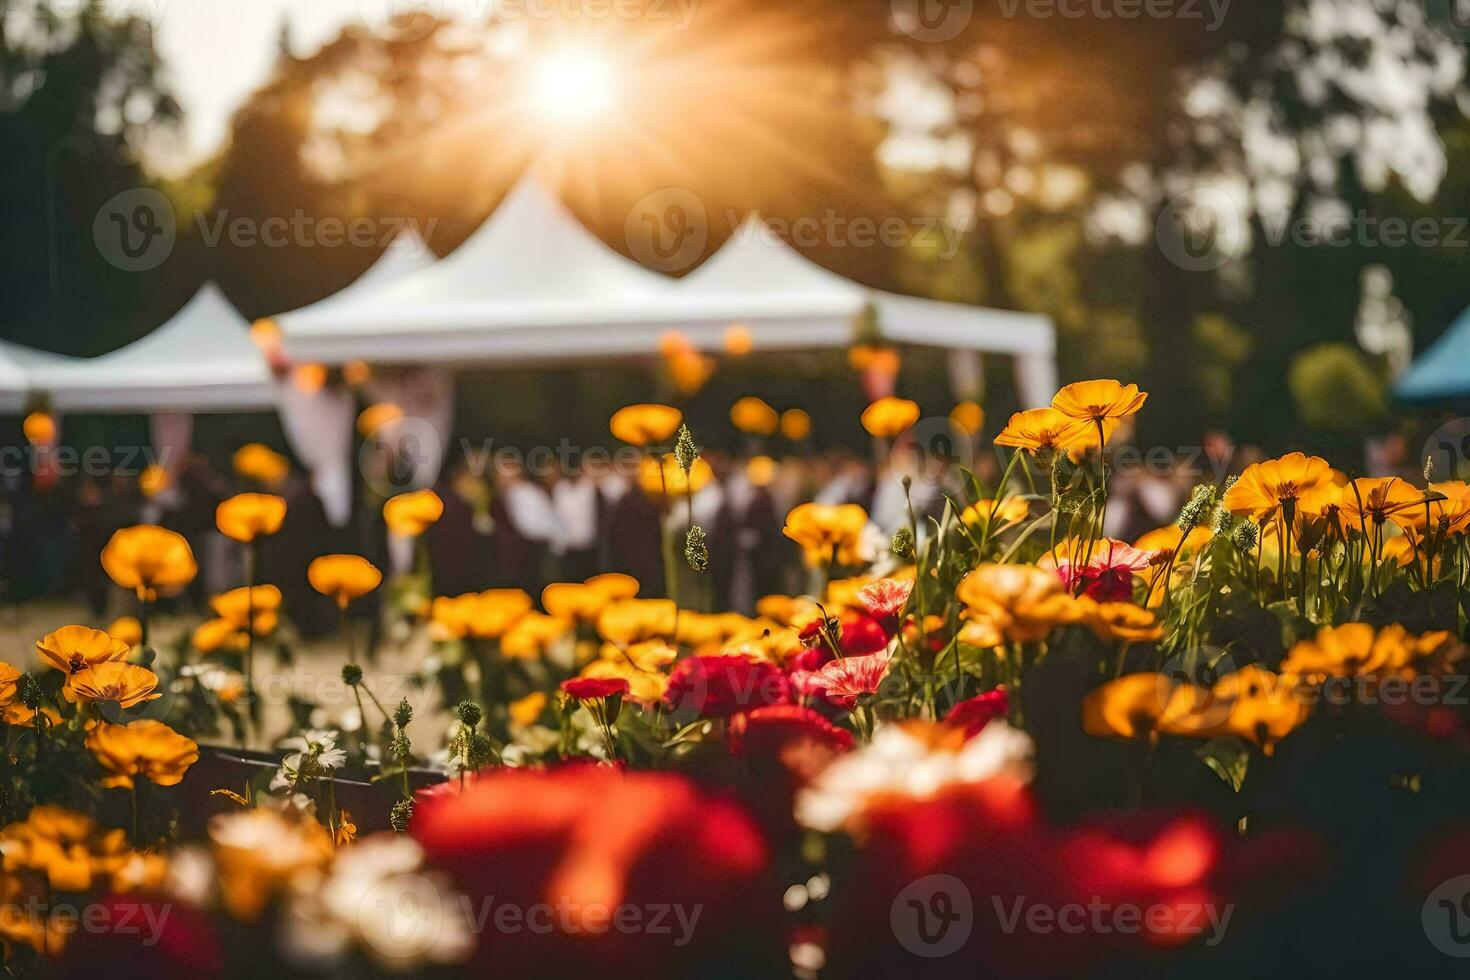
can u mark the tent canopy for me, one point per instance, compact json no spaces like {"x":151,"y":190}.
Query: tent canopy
{"x":1442,"y":372}
{"x":532,"y":284}
{"x":200,"y":360}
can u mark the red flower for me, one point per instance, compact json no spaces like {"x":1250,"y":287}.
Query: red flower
{"x":596,"y":871}
{"x":776,"y":728}
{"x":719,"y":685}
{"x":973,"y":714}
{"x":592,"y":688}
{"x":1107,"y":575}
{"x":128,"y":936}
{"x":844,"y":680}
{"x":884,"y":600}
{"x":860,"y":634}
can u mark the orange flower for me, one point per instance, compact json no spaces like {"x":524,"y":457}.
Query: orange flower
{"x":690,"y":371}
{"x":9,"y":683}
{"x":634,"y":620}
{"x":39,"y":428}
{"x":153,"y":480}
{"x":1134,"y":705}
{"x":127,"y":684}
{"x":1120,"y":621}
{"x":486,"y":615}
{"x":760,"y":471}
{"x":645,"y":425}
{"x":126,"y":629}
{"x":1263,"y":707}
{"x":665,"y":478}
{"x":532,"y":635}
{"x":1021,"y":602}
{"x":584,"y":600}
{"x":1265,"y":486}
{"x":343,"y":577}
{"x":261,"y":464}
{"x":150,"y":560}
{"x":753,"y":416}
{"x":524,"y":712}
{"x":145,"y":748}
{"x":75,"y":648}
{"x":1167,"y":539}
{"x":1099,"y":402}
{"x":68,"y":848}
{"x":889,"y":417}
{"x":1001,"y":512}
{"x":409,"y":515}
{"x":247,"y":516}
{"x":1046,"y":429}
{"x":215,"y":634}
{"x":374,"y":417}
{"x":237,"y":606}
{"x":259,"y":852}
{"x":796,"y":425}
{"x":738,"y":340}
{"x":969,"y":416}
{"x":1352,"y":649}
{"x":827,"y":530}
{"x":1453,"y":511}
{"x":1373,"y":500}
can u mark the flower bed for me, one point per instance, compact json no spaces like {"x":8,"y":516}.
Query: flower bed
{"x":1006,"y":744}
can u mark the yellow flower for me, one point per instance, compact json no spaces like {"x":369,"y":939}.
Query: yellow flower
{"x":796,"y":424}
{"x":1002,"y":512}
{"x":584,"y":600}
{"x":146,"y":748}
{"x":665,"y":478}
{"x":343,"y":577}
{"x":633,"y":620}
{"x":524,"y":712}
{"x":786,"y":610}
{"x":68,"y":848}
{"x":238,"y":605}
{"x":1133,"y":705}
{"x":645,"y":425}
{"x":216,"y":634}
{"x":760,"y":471}
{"x":1022,"y":602}
{"x":9,"y":683}
{"x":1048,"y":430}
{"x":150,"y":560}
{"x":153,"y":480}
{"x":1374,"y":500}
{"x":889,"y":417}
{"x":357,"y":373}
{"x":374,"y":417}
{"x":126,"y":629}
{"x":1349,"y":650}
{"x":261,"y":464}
{"x":127,"y":684}
{"x":1265,"y":486}
{"x":969,"y":416}
{"x":75,"y":648}
{"x":1099,"y":402}
{"x":411,"y":514}
{"x":1263,"y":707}
{"x":1167,"y":539}
{"x":738,"y":340}
{"x":690,"y":370}
{"x":532,"y":635}
{"x":1120,"y":621}
{"x":648,"y":656}
{"x":825,"y":530}
{"x":259,"y":852}
{"x":753,"y":416}
{"x":247,"y":516}
{"x":643,"y":685}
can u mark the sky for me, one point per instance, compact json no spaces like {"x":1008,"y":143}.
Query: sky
{"x":217,"y":52}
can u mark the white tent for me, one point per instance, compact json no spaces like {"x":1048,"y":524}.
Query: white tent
{"x":17,"y":364}
{"x":532,"y":284}
{"x":200,"y":360}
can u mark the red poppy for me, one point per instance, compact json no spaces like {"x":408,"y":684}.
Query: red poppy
{"x":860,"y":634}
{"x":973,"y":714}
{"x":776,"y":728}
{"x":884,"y":601}
{"x":592,"y":688}
{"x":719,"y":685}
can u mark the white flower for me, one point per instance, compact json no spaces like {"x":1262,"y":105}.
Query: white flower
{"x":379,"y":898}
{"x":899,"y":762}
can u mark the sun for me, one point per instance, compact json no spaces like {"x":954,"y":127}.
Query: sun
{"x":573,"y":85}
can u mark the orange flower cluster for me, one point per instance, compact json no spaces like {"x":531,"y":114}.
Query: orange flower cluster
{"x":1253,"y":703}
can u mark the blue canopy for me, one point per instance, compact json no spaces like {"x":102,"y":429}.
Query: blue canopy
{"x":1443,"y":371}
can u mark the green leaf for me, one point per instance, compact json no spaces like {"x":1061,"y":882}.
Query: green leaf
{"x":1227,"y":756}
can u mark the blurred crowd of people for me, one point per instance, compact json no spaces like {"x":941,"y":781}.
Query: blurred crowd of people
{"x":504,"y":526}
